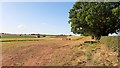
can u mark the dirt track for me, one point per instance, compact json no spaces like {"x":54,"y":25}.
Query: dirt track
{"x":32,"y":53}
{"x":55,"y":52}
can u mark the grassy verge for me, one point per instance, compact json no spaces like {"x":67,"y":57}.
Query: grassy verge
{"x":112,"y":42}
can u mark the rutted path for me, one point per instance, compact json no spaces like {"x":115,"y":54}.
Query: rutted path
{"x":57,"y":52}
{"x":33,"y":54}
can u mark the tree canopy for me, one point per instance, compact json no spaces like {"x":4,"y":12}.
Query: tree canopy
{"x":95,"y":18}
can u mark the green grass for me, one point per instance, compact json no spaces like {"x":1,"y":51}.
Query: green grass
{"x":94,"y":46}
{"x":17,"y":40}
{"x":8,"y":36}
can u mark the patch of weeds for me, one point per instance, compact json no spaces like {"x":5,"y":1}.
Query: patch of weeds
{"x":86,"y":44}
{"x":96,"y":63}
{"x":111,"y":42}
{"x":78,"y":38}
{"x":115,"y":49}
{"x":94,"y":46}
{"x":89,"y":55}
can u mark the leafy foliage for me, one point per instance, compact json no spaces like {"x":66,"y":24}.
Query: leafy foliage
{"x":95,"y":18}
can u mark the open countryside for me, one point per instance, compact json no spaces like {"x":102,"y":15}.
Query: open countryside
{"x":59,"y":51}
{"x":60,"y":34}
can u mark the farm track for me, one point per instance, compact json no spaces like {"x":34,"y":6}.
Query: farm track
{"x":56,"y":52}
{"x":33,"y":54}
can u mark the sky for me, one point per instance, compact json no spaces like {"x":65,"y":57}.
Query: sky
{"x":36,"y":17}
{"x":39,"y":0}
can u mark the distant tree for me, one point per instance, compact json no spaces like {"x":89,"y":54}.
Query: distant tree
{"x":38,"y":36}
{"x":32,"y":34}
{"x":61,"y":35}
{"x":95,"y":18}
{"x":84,"y":35}
{"x":44,"y":35}
{"x":0,"y":36}
{"x":20,"y":34}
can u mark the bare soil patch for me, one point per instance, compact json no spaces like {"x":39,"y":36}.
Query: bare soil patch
{"x":57,"y":52}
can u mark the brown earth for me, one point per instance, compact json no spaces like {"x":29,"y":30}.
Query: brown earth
{"x":55,"y":52}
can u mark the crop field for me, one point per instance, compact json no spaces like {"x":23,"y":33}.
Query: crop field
{"x":16,"y":36}
{"x":58,"y":51}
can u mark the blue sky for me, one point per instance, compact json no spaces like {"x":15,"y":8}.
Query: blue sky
{"x":36,"y":17}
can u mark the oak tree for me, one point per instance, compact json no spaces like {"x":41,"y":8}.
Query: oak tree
{"x":95,"y":18}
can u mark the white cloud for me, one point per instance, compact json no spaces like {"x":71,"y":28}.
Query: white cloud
{"x":20,"y":26}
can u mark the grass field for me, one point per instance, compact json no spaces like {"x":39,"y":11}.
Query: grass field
{"x":57,"y":51}
{"x":16,"y":36}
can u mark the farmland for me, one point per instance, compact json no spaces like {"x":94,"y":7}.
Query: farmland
{"x":60,"y":33}
{"x":59,"y":51}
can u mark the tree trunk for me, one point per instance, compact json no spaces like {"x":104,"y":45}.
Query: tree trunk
{"x":92,"y":37}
